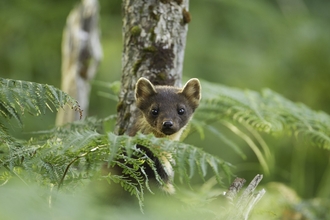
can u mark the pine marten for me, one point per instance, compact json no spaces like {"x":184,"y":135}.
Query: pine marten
{"x":165,"y":112}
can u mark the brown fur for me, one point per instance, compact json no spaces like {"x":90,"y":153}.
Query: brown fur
{"x":167,"y":101}
{"x":165,"y":112}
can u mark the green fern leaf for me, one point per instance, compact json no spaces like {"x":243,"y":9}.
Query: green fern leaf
{"x":18,"y":97}
{"x":266,"y":111}
{"x":187,"y":157}
{"x":203,"y":165}
{"x":7,"y":111}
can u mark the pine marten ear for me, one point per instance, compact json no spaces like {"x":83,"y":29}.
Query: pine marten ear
{"x":192,"y":91}
{"x":144,"y":89}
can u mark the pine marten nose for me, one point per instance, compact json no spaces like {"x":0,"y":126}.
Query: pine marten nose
{"x":167,"y":124}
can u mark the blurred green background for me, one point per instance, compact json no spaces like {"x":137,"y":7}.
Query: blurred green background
{"x":283,"y":45}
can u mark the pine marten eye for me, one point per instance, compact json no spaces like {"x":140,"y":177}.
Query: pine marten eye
{"x":181,"y":111}
{"x":154,"y":112}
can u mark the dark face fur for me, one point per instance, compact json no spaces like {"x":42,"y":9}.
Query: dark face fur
{"x":167,"y":109}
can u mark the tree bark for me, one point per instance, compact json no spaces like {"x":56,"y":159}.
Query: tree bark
{"x":154,"y":37}
{"x":81,"y":54}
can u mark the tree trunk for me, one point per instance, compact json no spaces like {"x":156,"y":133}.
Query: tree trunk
{"x":154,"y":36}
{"x":81,"y":54}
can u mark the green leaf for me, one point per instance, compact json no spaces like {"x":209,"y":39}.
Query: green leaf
{"x":18,"y":97}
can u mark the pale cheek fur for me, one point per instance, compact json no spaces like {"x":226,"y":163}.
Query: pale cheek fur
{"x":176,"y":136}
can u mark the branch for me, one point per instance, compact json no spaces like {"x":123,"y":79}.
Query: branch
{"x":243,"y":205}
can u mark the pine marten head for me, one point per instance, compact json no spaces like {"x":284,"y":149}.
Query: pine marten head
{"x":167,"y":109}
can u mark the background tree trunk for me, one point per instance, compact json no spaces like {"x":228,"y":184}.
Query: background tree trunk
{"x":154,"y":36}
{"x":81,"y":54}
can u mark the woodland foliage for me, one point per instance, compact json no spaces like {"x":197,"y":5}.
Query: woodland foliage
{"x":70,"y":158}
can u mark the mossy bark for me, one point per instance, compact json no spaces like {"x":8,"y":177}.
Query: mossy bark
{"x":154,"y":38}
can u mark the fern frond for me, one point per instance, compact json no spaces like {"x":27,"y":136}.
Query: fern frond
{"x":266,"y":111}
{"x":7,"y":111}
{"x":186,"y":157}
{"x":18,"y":97}
{"x":70,"y":155}
{"x":128,"y":186}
